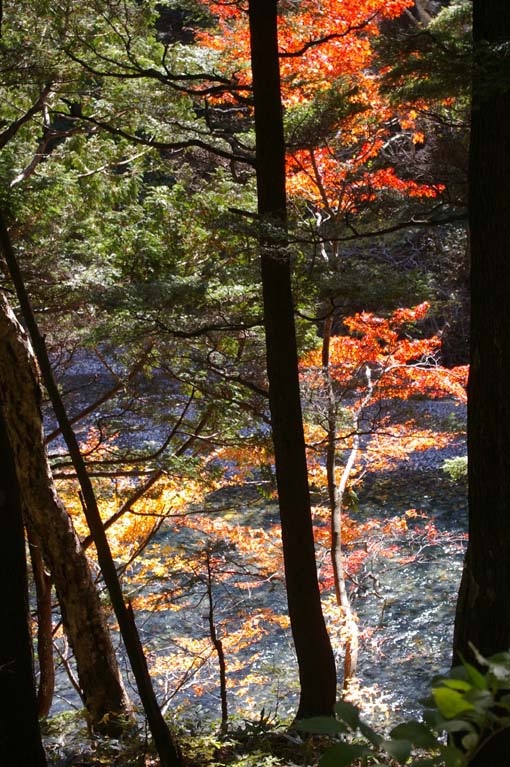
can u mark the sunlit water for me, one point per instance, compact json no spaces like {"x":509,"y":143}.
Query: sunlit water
{"x":405,"y":608}
{"x":405,"y":612}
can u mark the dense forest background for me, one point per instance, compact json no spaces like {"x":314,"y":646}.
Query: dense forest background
{"x":234,"y":349}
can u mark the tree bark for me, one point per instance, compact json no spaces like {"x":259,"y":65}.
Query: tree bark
{"x":84,"y":622}
{"x":217,"y":643}
{"x":43,"y":584}
{"x":313,"y":649}
{"x":20,"y":738}
{"x":483,"y":609}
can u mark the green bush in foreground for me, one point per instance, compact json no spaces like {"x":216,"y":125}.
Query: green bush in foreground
{"x":464,"y":711}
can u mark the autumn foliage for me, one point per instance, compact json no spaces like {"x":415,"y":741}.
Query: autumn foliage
{"x":318,"y":41}
{"x":398,"y":365}
{"x":376,"y":361}
{"x":326,"y":50}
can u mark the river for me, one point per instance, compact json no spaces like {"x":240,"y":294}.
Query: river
{"x":403,"y":589}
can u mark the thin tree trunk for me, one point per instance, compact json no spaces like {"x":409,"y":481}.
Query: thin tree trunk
{"x":313,"y":649}
{"x":50,"y":524}
{"x":153,"y":478}
{"x":336,"y":492}
{"x":42,"y":580}
{"x":217,"y":644}
{"x":166,"y":747}
{"x":20,"y":738}
{"x":115,"y":389}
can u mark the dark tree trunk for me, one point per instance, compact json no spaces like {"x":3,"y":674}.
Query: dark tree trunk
{"x":50,"y":524}
{"x":315,"y":657}
{"x":42,"y":581}
{"x":20,"y":738}
{"x":483,"y":610}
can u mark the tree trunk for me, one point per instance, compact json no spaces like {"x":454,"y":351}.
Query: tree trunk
{"x":42,"y":580}
{"x":483,"y":609}
{"x":314,"y":654}
{"x":336,"y":491}
{"x":84,"y":622}
{"x":20,"y":738}
{"x":168,"y":750}
{"x":217,"y":643}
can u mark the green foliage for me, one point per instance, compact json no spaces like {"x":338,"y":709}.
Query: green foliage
{"x":456,"y":468}
{"x":67,"y":741}
{"x":434,"y":63}
{"x":473,"y":705}
{"x":259,"y":743}
{"x":313,"y":123}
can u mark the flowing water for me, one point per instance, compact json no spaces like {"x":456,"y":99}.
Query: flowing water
{"x":404,"y":598}
{"x":405,"y":605}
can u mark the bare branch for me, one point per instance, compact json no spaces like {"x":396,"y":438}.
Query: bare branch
{"x":326,"y":39}
{"x":205,"y":329}
{"x":172,"y":146}
{"x":137,"y":72}
{"x":410,"y":224}
{"x":103,"y":398}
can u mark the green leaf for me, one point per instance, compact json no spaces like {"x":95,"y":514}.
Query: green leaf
{"x":500,"y":659}
{"x":433,"y":718}
{"x":397,"y":749}
{"x":470,"y":741}
{"x":321,"y":725}
{"x":452,"y":757}
{"x":457,"y":684}
{"x":458,"y":725}
{"x":499,"y":669}
{"x":370,"y":734}
{"x":482,"y":700}
{"x":348,"y":713}
{"x":343,"y":755}
{"x":478,"y":680}
{"x":416,"y":732}
{"x":450,"y":702}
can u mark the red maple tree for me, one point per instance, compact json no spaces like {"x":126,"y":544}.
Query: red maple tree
{"x":377,"y":359}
